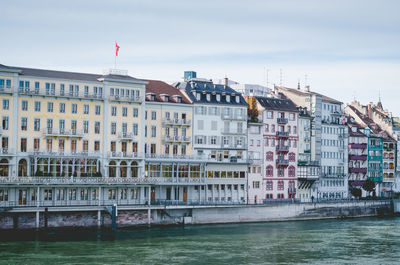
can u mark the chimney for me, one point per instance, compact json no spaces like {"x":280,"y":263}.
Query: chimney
{"x":308,"y":88}
{"x":226,"y":81}
{"x":298,"y":85}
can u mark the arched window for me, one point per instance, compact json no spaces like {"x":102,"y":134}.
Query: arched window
{"x":292,"y":171}
{"x":4,"y":168}
{"x":134,"y":169}
{"x":270,"y":156}
{"x":22,"y":168}
{"x":292,"y":157}
{"x":269,"y":171}
{"x":281,"y":172}
{"x":266,"y":128}
{"x":112,"y":169}
{"x":123,"y":169}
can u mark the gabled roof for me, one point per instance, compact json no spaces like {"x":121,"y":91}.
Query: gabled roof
{"x":159,"y":87}
{"x":65,"y":75}
{"x":305,"y":93}
{"x":204,"y":86}
{"x":277,"y":104}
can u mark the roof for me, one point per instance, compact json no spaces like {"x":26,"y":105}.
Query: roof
{"x":205,"y":86}
{"x":304,"y":93}
{"x":159,"y":87}
{"x":277,"y":104}
{"x":66,"y":75}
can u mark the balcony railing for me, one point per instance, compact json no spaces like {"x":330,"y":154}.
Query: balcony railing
{"x":358,"y":157}
{"x":124,"y":98}
{"x":177,"y":139}
{"x":282,"y":120}
{"x":182,"y":122}
{"x":126,"y":136}
{"x":232,"y":131}
{"x":282,"y":134}
{"x":282,"y":148}
{"x":60,"y":153}
{"x":357,"y":170}
{"x":231,"y":116}
{"x":25,"y":91}
{"x":7,"y":90}
{"x":63,"y":133}
{"x":358,"y":146}
{"x":291,"y":190}
{"x":125,"y":155}
{"x":6,"y":151}
{"x":282,"y":162}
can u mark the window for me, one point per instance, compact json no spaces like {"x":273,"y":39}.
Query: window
{"x":153,"y":131}
{"x":153,"y":115}
{"x":135,"y":129}
{"x":113,"y":128}
{"x":36,"y":125}
{"x":24,"y":124}
{"x":269,"y":171}
{"x":5,"y":123}
{"x":24,"y":105}
{"x":86,"y":91}
{"x":62,"y":89}
{"x":281,"y":172}
{"x":85,"y":109}
{"x":292,"y":171}
{"x":270,"y":156}
{"x":292,"y":157}
{"x":85,"y":146}
{"x":135,"y":112}
{"x":37,"y":106}
{"x":36,"y":144}
{"x":74,"y":108}
{"x":97,"y":127}
{"x":97,"y":109}
{"x":72,"y":195}
{"x":50,"y":106}
{"x":6,"y":104}
{"x":96,"y":146}
{"x":48,"y":194}
{"x":125,"y":111}
{"x":62,"y":107}
{"x":23,"y":144}
{"x":270,"y":115}
{"x":85,"y":126}
{"x":113,"y":111}
{"x":281,"y":185}
{"x":256,"y":184}
{"x":270,"y":185}
{"x":291,"y":116}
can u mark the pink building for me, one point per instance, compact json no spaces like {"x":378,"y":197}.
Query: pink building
{"x":278,"y":164}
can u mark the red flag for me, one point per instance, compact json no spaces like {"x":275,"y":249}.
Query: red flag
{"x":116,"y":49}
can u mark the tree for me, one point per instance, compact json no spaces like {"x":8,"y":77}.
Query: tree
{"x":369,"y":186}
{"x":356,"y":192}
{"x":252,"y":110}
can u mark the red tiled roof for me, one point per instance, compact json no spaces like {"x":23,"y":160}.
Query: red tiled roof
{"x":159,"y":87}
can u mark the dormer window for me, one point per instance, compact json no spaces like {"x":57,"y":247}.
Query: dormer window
{"x":112,"y":92}
{"x":237,"y":99}
{"x":152,"y":97}
{"x":198,"y":96}
{"x":228,"y":98}
{"x":218,"y":97}
{"x":177,"y":98}
{"x":208,"y":97}
{"x":165,"y":97}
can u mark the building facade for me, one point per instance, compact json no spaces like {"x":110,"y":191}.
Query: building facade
{"x":220,"y":136}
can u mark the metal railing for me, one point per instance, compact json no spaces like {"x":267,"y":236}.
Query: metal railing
{"x":63,"y":133}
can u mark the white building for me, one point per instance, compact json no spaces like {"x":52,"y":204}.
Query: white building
{"x":220,"y":136}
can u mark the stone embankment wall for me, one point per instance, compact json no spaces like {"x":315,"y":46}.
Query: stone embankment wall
{"x":195,"y":215}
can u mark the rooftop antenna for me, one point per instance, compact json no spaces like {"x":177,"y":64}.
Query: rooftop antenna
{"x":305,"y":80}
{"x":280,"y":79}
{"x":379,"y":95}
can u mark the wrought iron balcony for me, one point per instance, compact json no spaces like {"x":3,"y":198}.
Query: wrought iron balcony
{"x":282,"y":120}
{"x":232,"y":131}
{"x":291,"y":190}
{"x":125,"y":155}
{"x":180,"y":122}
{"x":282,"y":162}
{"x":126,"y":136}
{"x":125,"y":98}
{"x":282,"y":148}
{"x":357,"y":170}
{"x":282,"y":134}
{"x":358,"y":157}
{"x":6,"y":151}
{"x":358,"y":146}
{"x":51,"y":132}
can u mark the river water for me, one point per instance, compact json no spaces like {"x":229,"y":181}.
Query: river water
{"x":351,"y":241}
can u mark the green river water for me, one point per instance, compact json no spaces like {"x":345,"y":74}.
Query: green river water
{"x":351,"y":241}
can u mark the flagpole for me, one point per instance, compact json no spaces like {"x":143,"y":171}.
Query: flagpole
{"x":115,"y":56}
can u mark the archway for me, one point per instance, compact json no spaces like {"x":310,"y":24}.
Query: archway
{"x":4,"y":168}
{"x":112,"y":169}
{"x":134,"y":169}
{"x":22,"y":168}
{"x":123,"y":169}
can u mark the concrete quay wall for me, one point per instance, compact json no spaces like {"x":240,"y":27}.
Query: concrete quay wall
{"x":173,"y":215}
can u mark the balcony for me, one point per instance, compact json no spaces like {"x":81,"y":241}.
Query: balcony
{"x":232,"y":131}
{"x":231,"y":116}
{"x":282,"y":121}
{"x":307,"y":139}
{"x":177,"y":139}
{"x":93,"y":96}
{"x":282,"y":134}
{"x":6,"y":90}
{"x":291,"y":190}
{"x":358,"y":146}
{"x":61,"y":153}
{"x":50,"y":132}
{"x":125,"y":136}
{"x":124,"y":155}
{"x":357,"y":170}
{"x":282,"y":148}
{"x":179,"y":122}
{"x":282,"y":162}
{"x":125,"y":98}
{"x":7,"y":152}
{"x":53,"y":93}
{"x":358,"y":157}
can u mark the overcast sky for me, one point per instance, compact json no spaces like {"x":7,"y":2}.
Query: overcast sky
{"x":348,"y":49}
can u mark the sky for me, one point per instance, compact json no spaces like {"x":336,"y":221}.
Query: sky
{"x":347,"y":49}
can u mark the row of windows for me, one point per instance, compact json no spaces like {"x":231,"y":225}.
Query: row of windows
{"x":49,"y":145}
{"x":5,"y":83}
{"x":226,"y":174}
{"x":281,"y":128}
{"x":168,"y":149}
{"x":269,"y":156}
{"x":135,"y":112}
{"x":270,"y":115}
{"x":333,"y":155}
{"x":280,"y":185}
{"x":332,"y":170}
{"x":238,"y":113}
{"x":167,"y":131}
{"x":216,"y":140}
{"x":328,"y":142}
{"x":332,"y":183}
{"x":272,"y":142}
{"x":24,"y":86}
{"x":124,"y":92}
{"x":333,"y":130}
{"x":269,"y":172}
{"x":199,"y":96}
